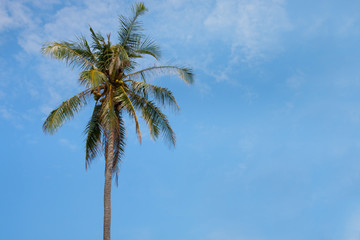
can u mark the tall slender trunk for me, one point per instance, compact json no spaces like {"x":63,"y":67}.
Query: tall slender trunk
{"x":107,"y":188}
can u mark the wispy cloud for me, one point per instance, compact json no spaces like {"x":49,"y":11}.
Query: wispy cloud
{"x":250,"y":28}
{"x":14,"y":14}
{"x":352,"y":228}
{"x":330,"y":22}
{"x":68,"y":21}
{"x":253,"y":26}
{"x":11,"y":116}
{"x":6,"y":113}
{"x":228,"y":234}
{"x":2,"y":94}
{"x":68,"y":144}
{"x":295,"y":81}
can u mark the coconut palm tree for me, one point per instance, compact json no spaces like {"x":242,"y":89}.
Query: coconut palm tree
{"x":110,"y":76}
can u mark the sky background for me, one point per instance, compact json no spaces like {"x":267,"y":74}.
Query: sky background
{"x":268,"y":137}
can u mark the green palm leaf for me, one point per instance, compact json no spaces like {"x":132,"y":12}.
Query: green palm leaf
{"x":98,"y":41}
{"x":156,"y":120}
{"x":148,"y":47}
{"x":92,"y":78}
{"x":162,"y":95}
{"x":93,"y":132}
{"x":119,"y":147}
{"x":72,"y":53}
{"x":129,"y":34}
{"x":85,"y":49}
{"x":65,"y":112}
{"x":184,"y":73}
{"x":124,"y":102}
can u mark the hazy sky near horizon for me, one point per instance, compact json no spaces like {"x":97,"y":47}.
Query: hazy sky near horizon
{"x":268,"y":137}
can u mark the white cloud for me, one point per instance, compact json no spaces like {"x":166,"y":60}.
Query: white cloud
{"x":69,"y":21}
{"x":331,"y":24}
{"x":235,"y":172}
{"x":229,"y":234}
{"x":42,"y":4}
{"x":31,"y":42}
{"x":352,"y":228}
{"x":295,"y":81}
{"x":13,"y":117}
{"x":247,"y":144}
{"x":253,"y":26}
{"x":348,"y":26}
{"x":68,"y":144}
{"x":14,"y":14}
{"x":204,"y":88}
{"x":316,"y":25}
{"x":5,"y":19}
{"x":75,"y":19}
{"x":6,"y":113}
{"x":2,"y":94}
{"x":251,"y":29}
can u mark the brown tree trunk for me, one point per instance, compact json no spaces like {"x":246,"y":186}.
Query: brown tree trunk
{"x":107,"y":188}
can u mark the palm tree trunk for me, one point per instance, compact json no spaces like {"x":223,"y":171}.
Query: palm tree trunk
{"x":107,"y":188}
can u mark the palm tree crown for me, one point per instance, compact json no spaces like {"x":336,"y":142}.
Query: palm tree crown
{"x":110,"y":76}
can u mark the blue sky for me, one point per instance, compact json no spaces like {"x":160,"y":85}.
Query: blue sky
{"x":268,"y":138}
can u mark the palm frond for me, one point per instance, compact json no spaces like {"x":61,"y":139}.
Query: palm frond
{"x":71,"y":53}
{"x":131,"y":67}
{"x":184,"y":73}
{"x":98,"y":40}
{"x":129,"y":33}
{"x":124,"y":102}
{"x":64,"y":112}
{"x":105,"y":58}
{"x":119,"y":147}
{"x":93,"y":131}
{"x":148,"y":47}
{"x":162,"y":95}
{"x":92,"y":78}
{"x":156,"y":120}
{"x":86,"y":49}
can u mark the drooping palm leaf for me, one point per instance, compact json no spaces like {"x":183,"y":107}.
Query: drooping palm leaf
{"x":64,"y":112}
{"x":93,"y":132}
{"x":86,"y":50}
{"x":155,"y":118}
{"x":119,"y":147}
{"x":71,"y":53}
{"x":148,"y":47}
{"x":162,"y":95}
{"x":184,"y":73}
{"x":124,"y":102}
